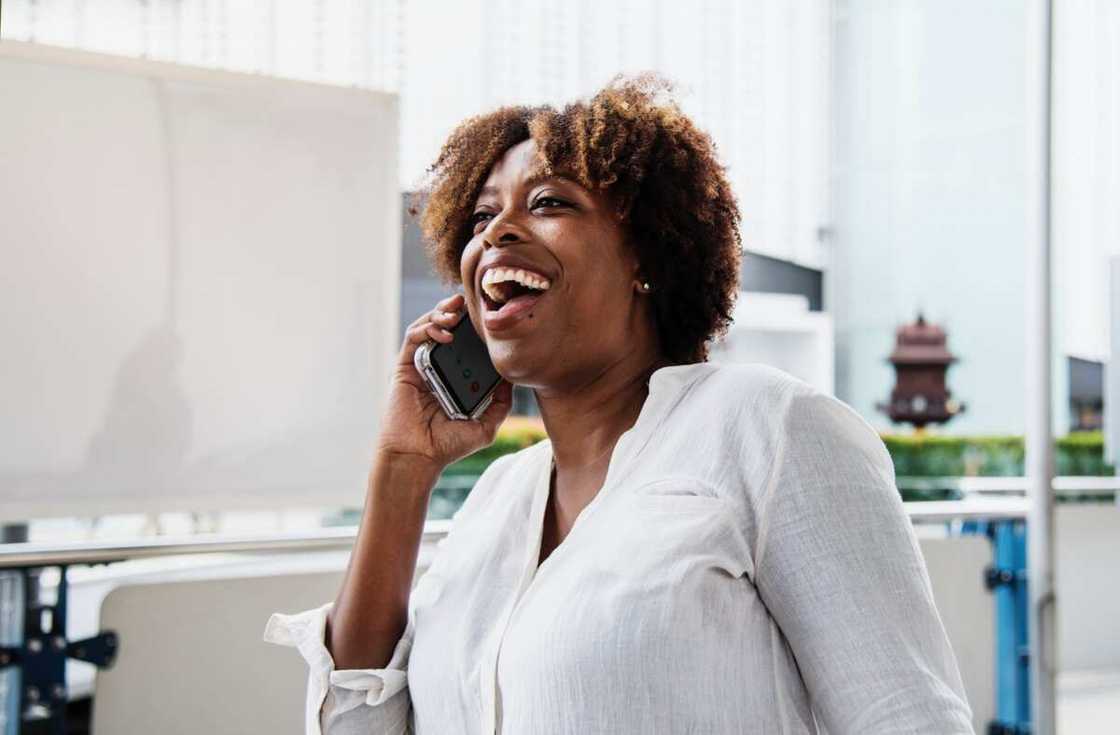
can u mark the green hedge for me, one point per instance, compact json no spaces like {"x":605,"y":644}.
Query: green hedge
{"x":1076,"y":454}
{"x":915,"y":457}
{"x":480,"y":460}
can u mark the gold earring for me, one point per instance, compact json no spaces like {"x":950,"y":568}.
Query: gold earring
{"x":645,"y":286}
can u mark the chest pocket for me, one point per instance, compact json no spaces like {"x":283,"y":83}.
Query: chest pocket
{"x":684,"y":526}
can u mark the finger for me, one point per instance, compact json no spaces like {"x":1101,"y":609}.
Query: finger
{"x":446,"y":318}
{"x":421,"y":333}
{"x":438,"y":333}
{"x":428,"y":326}
{"x":499,"y":408}
{"x":415,"y":337}
{"x":450,"y":304}
{"x":417,"y":333}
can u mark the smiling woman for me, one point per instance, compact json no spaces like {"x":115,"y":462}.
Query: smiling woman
{"x":693,"y":548}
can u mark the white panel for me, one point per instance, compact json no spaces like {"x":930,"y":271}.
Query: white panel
{"x":204,"y":667}
{"x":967,"y":610}
{"x":1088,"y":586}
{"x":199,"y":297}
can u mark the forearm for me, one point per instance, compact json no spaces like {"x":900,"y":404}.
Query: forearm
{"x":371,"y":610}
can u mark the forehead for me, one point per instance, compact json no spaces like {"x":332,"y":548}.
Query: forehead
{"x":519,"y":159}
{"x":520,"y":165}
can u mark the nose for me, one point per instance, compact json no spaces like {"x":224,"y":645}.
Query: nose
{"x":502,"y":230}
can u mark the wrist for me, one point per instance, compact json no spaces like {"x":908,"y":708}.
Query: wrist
{"x":405,"y":470}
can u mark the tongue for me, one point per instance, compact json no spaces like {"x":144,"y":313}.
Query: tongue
{"x":518,"y":303}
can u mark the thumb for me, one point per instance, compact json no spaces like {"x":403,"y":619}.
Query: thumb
{"x":499,"y":407}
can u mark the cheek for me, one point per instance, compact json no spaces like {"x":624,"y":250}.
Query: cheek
{"x":468,"y":262}
{"x":593,"y":288}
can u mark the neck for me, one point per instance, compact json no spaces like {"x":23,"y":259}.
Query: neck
{"x":585,"y":419}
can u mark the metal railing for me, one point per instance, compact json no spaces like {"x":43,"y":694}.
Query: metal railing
{"x":1065,"y":487}
{"x":22,"y":555}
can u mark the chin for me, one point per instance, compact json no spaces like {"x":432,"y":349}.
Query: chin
{"x":514,"y":361}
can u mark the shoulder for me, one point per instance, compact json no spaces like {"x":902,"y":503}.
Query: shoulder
{"x":826,"y":431}
{"x":770,"y":415}
{"x":793,"y":405}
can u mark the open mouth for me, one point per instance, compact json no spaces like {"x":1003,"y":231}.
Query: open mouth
{"x":508,"y":295}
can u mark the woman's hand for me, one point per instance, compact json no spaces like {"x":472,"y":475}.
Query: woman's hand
{"x":414,"y":426}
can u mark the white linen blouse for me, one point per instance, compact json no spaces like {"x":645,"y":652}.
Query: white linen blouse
{"x":746,"y":567}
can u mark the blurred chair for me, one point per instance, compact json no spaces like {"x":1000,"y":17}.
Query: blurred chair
{"x":192,"y":660}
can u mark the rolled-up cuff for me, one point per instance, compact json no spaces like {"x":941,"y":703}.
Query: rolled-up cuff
{"x":306,"y":632}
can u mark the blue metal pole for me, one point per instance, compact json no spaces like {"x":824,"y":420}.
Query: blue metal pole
{"x":1006,"y":578}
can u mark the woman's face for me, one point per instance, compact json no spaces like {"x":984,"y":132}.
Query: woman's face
{"x":591,"y":315}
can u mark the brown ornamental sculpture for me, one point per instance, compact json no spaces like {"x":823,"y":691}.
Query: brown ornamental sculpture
{"x":920,"y":360}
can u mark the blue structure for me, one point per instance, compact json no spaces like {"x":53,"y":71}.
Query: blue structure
{"x":1006,"y":578}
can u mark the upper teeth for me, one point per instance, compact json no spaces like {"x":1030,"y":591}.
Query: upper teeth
{"x":498,"y":275}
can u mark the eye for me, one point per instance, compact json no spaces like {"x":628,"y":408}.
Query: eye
{"x":478,"y":216}
{"x":560,"y":202}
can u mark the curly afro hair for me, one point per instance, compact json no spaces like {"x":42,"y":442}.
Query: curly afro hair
{"x":633,"y":142}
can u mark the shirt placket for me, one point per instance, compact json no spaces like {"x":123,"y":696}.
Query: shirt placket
{"x":489,"y":675}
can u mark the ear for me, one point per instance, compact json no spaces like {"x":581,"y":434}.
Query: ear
{"x":640,"y":280}
{"x":638,"y":277}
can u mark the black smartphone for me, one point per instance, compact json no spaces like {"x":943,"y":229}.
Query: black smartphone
{"x":459,"y":372}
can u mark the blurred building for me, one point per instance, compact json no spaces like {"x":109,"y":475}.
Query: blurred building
{"x":934,"y":129}
{"x":347,"y":43}
{"x":1086,"y":394}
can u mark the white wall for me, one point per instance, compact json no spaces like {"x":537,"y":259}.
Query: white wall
{"x":930,"y":197}
{"x":934,"y":131}
{"x":1086,"y":173}
{"x":754,"y":75}
{"x":779,"y":330}
{"x":335,"y":41}
{"x":200,"y":286}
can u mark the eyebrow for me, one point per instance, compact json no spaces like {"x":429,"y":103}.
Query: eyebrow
{"x":531,"y":181}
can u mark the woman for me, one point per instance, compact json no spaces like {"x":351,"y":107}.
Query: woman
{"x":695,"y":548}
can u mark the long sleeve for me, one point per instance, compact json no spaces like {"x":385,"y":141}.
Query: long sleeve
{"x":839,"y":568}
